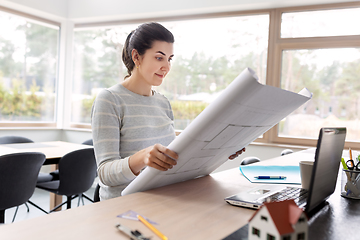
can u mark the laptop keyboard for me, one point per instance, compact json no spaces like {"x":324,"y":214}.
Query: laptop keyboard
{"x":299,"y":195}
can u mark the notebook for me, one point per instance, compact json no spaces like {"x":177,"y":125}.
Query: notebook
{"x":328,"y":154}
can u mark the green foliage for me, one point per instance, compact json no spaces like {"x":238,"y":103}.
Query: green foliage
{"x":187,"y":109}
{"x":18,"y":103}
{"x":86,"y":109}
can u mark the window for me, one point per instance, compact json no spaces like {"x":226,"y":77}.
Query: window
{"x":328,"y":67}
{"x":202,"y":66}
{"x":315,"y":46}
{"x":270,"y":237}
{"x":301,"y":236}
{"x":264,"y":218}
{"x":336,"y":22}
{"x":28,"y":70}
{"x":305,"y":51}
{"x":333,"y":76}
{"x":286,"y":238}
{"x":256,"y":232}
{"x":301,"y":220}
{"x":317,"y":53}
{"x":97,"y":64}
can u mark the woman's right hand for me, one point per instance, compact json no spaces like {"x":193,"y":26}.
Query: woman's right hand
{"x":156,"y":156}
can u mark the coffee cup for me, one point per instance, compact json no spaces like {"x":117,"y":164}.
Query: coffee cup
{"x":306,"y":168}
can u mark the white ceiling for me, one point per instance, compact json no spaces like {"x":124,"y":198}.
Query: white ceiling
{"x":83,"y":11}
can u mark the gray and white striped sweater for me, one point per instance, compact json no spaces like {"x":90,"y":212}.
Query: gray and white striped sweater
{"x":123,"y":123}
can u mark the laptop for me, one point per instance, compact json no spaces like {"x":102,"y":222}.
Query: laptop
{"x":328,"y":155}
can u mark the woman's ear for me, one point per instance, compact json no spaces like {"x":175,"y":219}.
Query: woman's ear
{"x":135,"y":57}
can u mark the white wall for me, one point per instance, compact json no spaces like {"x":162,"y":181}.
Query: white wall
{"x":37,"y":135}
{"x":55,"y":10}
{"x":45,"y":135}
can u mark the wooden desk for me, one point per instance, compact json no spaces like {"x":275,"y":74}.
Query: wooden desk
{"x":53,"y":151}
{"x":194,"y":209}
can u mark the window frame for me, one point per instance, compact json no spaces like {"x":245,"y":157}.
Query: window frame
{"x":40,"y":124}
{"x":277,"y":45}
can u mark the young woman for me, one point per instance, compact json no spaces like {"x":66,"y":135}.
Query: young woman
{"x":131,"y":123}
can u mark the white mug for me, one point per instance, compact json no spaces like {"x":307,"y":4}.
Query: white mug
{"x":306,"y":168}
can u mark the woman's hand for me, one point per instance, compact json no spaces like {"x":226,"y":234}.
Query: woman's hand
{"x":156,"y":156}
{"x":235,"y":155}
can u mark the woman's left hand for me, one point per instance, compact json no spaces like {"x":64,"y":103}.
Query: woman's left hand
{"x":235,"y":155}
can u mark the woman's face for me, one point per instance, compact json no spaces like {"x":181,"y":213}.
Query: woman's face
{"x":155,"y":63}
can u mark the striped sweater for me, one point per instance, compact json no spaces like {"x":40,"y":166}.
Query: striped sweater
{"x":123,"y":123}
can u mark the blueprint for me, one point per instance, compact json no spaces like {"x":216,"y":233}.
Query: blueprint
{"x":245,"y":110}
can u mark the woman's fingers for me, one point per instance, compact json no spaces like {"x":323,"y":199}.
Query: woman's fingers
{"x":161,"y":158}
{"x":235,"y":155}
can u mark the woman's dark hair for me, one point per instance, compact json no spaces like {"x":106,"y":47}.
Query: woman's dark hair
{"x":142,"y":39}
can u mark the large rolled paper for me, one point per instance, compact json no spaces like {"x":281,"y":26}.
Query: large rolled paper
{"x":245,"y":110}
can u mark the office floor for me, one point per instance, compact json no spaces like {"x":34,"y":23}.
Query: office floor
{"x":42,"y":199}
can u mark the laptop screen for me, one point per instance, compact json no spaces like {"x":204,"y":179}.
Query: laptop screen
{"x":328,"y":154}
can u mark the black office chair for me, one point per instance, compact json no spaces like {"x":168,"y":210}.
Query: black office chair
{"x":88,"y":142}
{"x":286,"y":151}
{"x":14,"y":139}
{"x":77,"y":171}
{"x":97,"y":188}
{"x":42,"y":177}
{"x":249,"y":160}
{"x":15,"y":190}
{"x":96,"y":193}
{"x":54,"y":175}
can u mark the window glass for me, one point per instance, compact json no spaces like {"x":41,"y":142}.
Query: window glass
{"x":97,"y":64}
{"x":209,"y":54}
{"x":256,"y":231}
{"x":320,"y":23}
{"x":333,"y":76}
{"x":270,"y":237}
{"x":28,"y":69}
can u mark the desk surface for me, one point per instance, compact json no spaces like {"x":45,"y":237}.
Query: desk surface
{"x":193,"y":209}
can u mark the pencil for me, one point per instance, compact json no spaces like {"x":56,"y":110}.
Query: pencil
{"x":152,"y":228}
{"x":350,"y":154}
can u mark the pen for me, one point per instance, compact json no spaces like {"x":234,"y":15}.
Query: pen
{"x":270,"y":177}
{"x":152,"y":228}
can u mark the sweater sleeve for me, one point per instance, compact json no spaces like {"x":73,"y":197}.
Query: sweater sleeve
{"x":113,"y":170}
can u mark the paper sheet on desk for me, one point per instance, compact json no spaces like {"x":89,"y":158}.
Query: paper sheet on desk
{"x":292,"y":174}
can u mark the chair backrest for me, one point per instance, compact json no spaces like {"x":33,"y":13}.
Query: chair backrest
{"x":286,"y":151}
{"x":77,"y":171}
{"x":18,"y":176}
{"x":97,"y":193}
{"x":88,"y":142}
{"x":14,"y":139}
{"x":249,"y":160}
